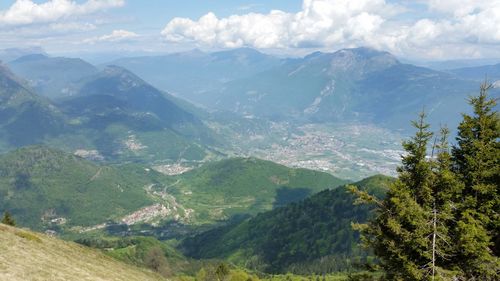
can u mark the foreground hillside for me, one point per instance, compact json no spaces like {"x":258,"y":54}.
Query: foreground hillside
{"x":33,"y":256}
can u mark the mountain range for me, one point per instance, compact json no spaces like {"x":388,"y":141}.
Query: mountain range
{"x":112,"y":114}
{"x":351,"y":85}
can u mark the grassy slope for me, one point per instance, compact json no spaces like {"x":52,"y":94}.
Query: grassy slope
{"x":246,"y":185}
{"x":32,"y":256}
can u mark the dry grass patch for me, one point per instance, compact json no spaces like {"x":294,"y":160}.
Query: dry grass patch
{"x":25,"y":255}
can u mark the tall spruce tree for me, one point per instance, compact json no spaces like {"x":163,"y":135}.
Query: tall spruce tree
{"x":410,"y":231}
{"x":476,"y":158}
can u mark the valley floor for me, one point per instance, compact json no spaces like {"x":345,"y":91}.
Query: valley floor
{"x":349,"y":151}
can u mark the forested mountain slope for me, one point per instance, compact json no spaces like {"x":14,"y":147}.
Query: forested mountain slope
{"x":310,"y":235}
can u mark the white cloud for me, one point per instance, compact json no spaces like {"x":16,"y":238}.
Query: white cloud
{"x":24,"y":12}
{"x":460,"y":28}
{"x":115,"y":36}
{"x":319,"y":21}
{"x":472,"y":28}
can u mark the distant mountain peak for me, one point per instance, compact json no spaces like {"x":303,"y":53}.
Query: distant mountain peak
{"x":114,"y":80}
{"x":35,"y":62}
{"x":358,"y":54}
{"x":43,"y":57}
{"x":247,"y":50}
{"x":360,"y":60}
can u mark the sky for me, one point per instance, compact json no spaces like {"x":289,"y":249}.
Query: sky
{"x":411,"y":29}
